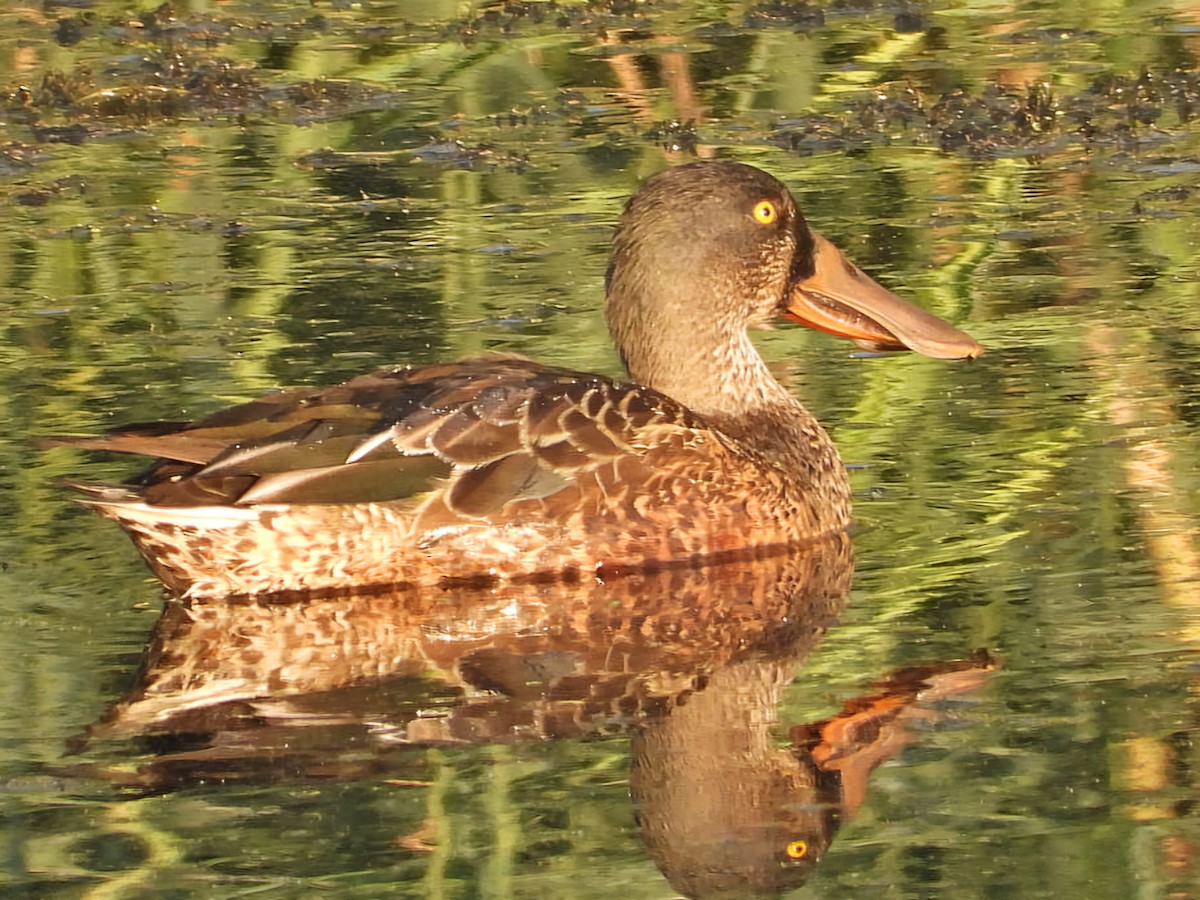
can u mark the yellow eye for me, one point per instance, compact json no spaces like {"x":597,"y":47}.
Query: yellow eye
{"x":796,"y":849}
{"x":765,"y":212}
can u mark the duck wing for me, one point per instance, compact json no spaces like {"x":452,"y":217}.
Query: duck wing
{"x":488,"y":431}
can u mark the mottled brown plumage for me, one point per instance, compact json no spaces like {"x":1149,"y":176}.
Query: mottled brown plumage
{"x":499,"y":467}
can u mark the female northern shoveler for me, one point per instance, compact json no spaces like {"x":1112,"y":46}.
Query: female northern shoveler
{"x":502,"y":467}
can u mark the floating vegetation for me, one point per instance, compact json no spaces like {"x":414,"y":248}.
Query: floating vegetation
{"x":1003,"y":121}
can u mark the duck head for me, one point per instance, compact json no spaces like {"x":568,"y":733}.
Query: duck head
{"x":705,"y":251}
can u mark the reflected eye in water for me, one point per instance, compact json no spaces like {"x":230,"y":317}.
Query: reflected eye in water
{"x":797,"y":849}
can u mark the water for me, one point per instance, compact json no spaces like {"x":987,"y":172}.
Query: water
{"x":273,"y":196}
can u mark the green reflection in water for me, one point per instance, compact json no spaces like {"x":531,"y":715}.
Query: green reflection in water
{"x":293,"y":196}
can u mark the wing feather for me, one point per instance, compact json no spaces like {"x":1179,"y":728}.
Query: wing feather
{"x":463,"y":441}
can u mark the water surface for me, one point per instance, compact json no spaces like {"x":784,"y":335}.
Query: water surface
{"x":207,"y":201}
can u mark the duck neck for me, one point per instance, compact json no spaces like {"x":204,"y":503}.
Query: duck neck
{"x":712,"y":367}
{"x":722,"y":378}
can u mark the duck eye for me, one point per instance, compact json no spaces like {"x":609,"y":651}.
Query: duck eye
{"x":796,"y":849}
{"x":765,"y":212}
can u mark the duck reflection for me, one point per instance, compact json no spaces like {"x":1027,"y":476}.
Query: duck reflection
{"x":728,"y":812}
{"x":691,"y":661}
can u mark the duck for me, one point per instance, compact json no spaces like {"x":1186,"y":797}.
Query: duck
{"x":500,"y":468}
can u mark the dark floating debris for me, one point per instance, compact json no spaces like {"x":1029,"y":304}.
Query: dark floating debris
{"x":173,"y":73}
{"x":1004,"y":121}
{"x":799,"y":16}
{"x":675,"y":136}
